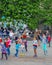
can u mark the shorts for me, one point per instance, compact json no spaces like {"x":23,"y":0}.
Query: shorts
{"x":34,"y":46}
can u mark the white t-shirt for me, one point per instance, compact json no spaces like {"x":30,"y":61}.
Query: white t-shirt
{"x":11,"y":34}
{"x":35,"y":42}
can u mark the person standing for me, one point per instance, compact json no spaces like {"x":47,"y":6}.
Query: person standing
{"x":35,"y":45}
{"x":11,"y":34}
{"x":44,"y":44}
{"x":6,"y":42}
{"x":25,"y":43}
{"x":3,"y":51}
{"x":49,"y":40}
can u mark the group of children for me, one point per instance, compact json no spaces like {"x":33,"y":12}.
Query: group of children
{"x":6,"y":44}
{"x":42,"y":40}
{"x":5,"y":47}
{"x":22,"y":43}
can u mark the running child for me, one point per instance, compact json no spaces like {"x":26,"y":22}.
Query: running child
{"x":17,"y":46}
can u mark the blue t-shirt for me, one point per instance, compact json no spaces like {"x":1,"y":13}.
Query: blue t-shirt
{"x":18,"y":46}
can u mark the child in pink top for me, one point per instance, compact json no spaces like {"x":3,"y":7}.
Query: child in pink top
{"x":9,"y":40}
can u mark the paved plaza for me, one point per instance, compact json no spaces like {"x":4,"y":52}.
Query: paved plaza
{"x":28,"y":59}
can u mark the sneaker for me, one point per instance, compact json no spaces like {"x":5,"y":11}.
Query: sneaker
{"x":16,"y":55}
{"x":35,"y":56}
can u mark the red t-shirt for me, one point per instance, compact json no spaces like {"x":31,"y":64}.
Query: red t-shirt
{"x":49,"y":39}
{"x":0,"y":40}
{"x":24,"y":36}
{"x":7,"y":44}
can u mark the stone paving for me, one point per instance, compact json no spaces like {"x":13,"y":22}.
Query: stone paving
{"x":28,"y":59}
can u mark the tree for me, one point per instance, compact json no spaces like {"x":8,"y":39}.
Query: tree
{"x":30,"y":11}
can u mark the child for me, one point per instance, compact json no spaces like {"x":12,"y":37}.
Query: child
{"x":35,"y":44}
{"x":25,"y":43}
{"x":22,"y":49}
{"x":4,"y":51}
{"x":17,"y":46}
{"x":44,"y":44}
{"x":9,"y":40}
{"x":49,"y":39}
{"x":7,"y":45}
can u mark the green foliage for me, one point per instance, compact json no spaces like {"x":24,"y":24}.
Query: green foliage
{"x":30,"y":11}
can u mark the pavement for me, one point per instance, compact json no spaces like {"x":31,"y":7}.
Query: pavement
{"x":28,"y":59}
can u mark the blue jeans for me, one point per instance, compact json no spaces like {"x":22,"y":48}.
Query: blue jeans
{"x":16,"y":54}
{"x":8,"y":50}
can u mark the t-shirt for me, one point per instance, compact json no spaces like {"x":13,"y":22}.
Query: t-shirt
{"x":35,"y":42}
{"x":24,"y":36}
{"x":11,"y":34}
{"x":49,"y":38}
{"x":0,"y":40}
{"x":18,"y":46}
{"x":7,"y":44}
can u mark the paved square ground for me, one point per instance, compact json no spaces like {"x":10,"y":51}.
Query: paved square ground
{"x":28,"y":59}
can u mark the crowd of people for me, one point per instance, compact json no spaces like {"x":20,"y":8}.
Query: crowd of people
{"x":7,"y":39}
{"x":40,"y":38}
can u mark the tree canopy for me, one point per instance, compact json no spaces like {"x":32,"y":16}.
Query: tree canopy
{"x":32,"y":12}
